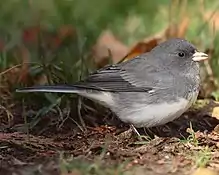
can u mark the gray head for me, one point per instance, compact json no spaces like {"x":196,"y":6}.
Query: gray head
{"x":179,"y":52}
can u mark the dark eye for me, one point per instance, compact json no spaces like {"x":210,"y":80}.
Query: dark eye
{"x":181,"y":54}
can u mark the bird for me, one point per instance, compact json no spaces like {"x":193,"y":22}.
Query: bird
{"x":149,"y":90}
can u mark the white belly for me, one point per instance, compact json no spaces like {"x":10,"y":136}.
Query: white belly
{"x":142,"y":115}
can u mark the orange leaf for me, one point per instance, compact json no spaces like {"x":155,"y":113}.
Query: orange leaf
{"x":141,"y":47}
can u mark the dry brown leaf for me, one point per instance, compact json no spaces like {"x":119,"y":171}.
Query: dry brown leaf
{"x":204,"y":171}
{"x":109,"y":46}
{"x":215,"y":112}
{"x":108,"y":43}
{"x":174,"y":30}
{"x":141,"y":47}
{"x":146,"y":45}
{"x":216,"y":130}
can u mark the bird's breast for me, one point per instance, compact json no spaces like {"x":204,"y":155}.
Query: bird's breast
{"x":143,"y":115}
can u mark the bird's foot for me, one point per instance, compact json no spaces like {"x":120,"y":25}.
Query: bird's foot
{"x":139,"y":136}
{"x":135,"y":131}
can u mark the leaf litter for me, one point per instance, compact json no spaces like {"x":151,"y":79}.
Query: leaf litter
{"x":166,"y":153}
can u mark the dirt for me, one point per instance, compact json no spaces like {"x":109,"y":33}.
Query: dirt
{"x":172,"y":149}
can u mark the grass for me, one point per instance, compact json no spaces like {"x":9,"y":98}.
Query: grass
{"x":191,"y":139}
{"x":71,"y":165}
{"x":90,"y":168}
{"x":202,"y":157}
{"x":200,"y":154}
{"x":98,"y":167}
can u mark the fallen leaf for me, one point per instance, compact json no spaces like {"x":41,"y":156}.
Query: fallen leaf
{"x":204,"y":171}
{"x":174,"y":30}
{"x":108,"y":43}
{"x":215,"y":112}
{"x":216,"y":130}
{"x":109,"y":46}
{"x":141,"y":47}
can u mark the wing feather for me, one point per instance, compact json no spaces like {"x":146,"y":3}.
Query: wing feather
{"x":140,"y":74}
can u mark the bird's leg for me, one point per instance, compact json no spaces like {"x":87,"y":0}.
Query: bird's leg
{"x":148,"y":131}
{"x":139,"y":136}
{"x":135,"y":130}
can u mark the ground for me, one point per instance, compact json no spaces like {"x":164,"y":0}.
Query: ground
{"x":177,"y":148}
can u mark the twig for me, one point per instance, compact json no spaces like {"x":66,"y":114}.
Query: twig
{"x":15,"y":66}
{"x":25,"y":121}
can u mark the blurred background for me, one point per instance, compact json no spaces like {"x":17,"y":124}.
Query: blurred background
{"x":61,"y":41}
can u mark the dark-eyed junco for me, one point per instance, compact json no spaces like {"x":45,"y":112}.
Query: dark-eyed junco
{"x":150,"y":90}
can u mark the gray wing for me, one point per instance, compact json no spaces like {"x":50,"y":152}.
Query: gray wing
{"x":148,"y":72}
{"x":110,"y":79}
{"x":137,"y":75}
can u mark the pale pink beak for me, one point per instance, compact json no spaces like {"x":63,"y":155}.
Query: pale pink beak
{"x":199,"y":56}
